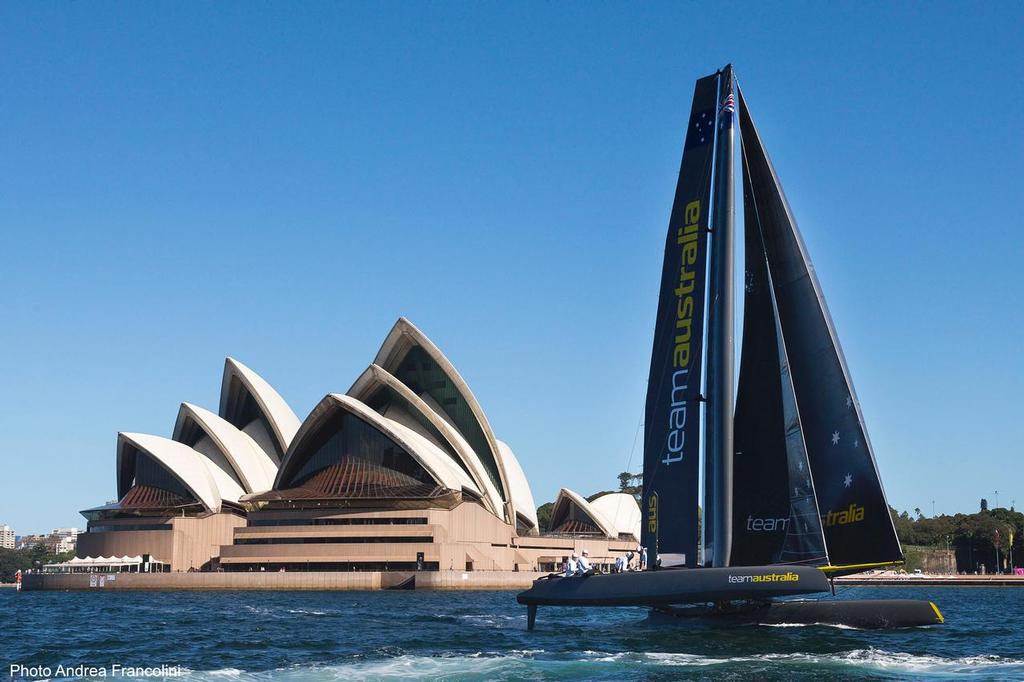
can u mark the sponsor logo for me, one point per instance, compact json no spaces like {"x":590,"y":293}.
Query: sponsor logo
{"x":759,"y":525}
{"x":686,"y":237}
{"x":652,"y":513}
{"x":852,"y":514}
{"x":788,"y":577}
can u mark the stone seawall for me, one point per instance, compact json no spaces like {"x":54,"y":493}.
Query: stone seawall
{"x":313,"y":580}
{"x":924,"y":580}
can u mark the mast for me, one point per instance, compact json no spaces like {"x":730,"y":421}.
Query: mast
{"x":721,"y":340}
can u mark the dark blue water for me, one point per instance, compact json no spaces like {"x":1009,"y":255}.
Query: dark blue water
{"x":308,"y":636}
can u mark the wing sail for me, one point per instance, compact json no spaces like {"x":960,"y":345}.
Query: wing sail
{"x":672,"y":422}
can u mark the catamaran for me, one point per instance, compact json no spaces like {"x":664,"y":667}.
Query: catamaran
{"x":792,"y":494}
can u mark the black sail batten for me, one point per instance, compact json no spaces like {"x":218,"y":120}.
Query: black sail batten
{"x":672,"y":418}
{"x":775,"y":516}
{"x":854,"y":512}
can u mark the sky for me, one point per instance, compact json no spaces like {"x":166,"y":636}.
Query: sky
{"x":279,"y":182}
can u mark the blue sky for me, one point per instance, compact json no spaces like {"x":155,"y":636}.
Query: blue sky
{"x":280,"y":181}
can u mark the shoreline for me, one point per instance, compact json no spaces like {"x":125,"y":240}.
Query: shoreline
{"x":397,"y":580}
{"x":932,"y":580}
{"x":322,"y":581}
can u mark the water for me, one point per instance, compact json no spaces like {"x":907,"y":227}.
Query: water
{"x":311,"y":636}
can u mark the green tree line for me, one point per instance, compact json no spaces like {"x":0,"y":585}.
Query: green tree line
{"x":14,"y":560}
{"x":976,"y":538}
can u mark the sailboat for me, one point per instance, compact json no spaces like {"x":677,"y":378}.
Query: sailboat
{"x":792,"y":496}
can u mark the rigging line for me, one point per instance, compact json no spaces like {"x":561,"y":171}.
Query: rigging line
{"x":632,"y":451}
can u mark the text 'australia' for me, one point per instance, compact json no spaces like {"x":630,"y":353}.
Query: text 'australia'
{"x":686,"y":237}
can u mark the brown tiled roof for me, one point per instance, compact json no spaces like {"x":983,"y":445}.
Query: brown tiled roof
{"x":150,"y":497}
{"x":573,"y":527}
{"x":356,"y":479}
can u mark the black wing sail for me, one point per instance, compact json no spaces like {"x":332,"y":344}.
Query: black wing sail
{"x":854,"y":513}
{"x":672,"y":422}
{"x":775,"y":515}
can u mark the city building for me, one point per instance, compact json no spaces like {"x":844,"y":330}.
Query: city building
{"x":58,"y":541}
{"x":403,"y":471}
{"x":64,"y":540}
{"x":30,"y":541}
{"x":7,"y":538}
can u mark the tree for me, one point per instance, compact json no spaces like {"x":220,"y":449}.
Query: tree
{"x":12,"y":561}
{"x":35,"y":557}
{"x":984,"y":504}
{"x":625,"y":478}
{"x":544,"y":516}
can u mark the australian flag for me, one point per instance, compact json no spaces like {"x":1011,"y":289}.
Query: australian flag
{"x":726,"y":110}
{"x":701,"y":130}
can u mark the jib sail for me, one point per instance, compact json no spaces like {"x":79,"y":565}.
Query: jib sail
{"x":775,"y":514}
{"x":853,"y":511}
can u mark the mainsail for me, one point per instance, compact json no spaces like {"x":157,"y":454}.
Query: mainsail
{"x":672,"y":421}
{"x":794,"y":369}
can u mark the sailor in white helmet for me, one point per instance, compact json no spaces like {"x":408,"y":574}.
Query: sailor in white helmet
{"x":583,"y":564}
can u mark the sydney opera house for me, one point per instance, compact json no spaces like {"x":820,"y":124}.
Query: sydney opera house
{"x":401,"y":472}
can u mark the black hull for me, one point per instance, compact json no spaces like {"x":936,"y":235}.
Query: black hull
{"x":676,"y":586}
{"x":874,"y":614}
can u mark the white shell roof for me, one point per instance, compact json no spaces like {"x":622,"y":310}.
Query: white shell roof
{"x":522,"y":496}
{"x":280,"y":416}
{"x":375,"y":375}
{"x":432,"y":458}
{"x":184,"y":463}
{"x":254,"y":467}
{"x":405,"y":335}
{"x":566,"y":496}
{"x":622,"y":512}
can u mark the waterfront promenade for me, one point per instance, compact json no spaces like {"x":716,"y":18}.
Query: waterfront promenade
{"x":889,"y":579}
{"x":423,"y":580}
{"x":296,"y":580}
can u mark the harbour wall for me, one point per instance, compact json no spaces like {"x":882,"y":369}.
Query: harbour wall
{"x":911,"y":580}
{"x":930,"y":560}
{"x":296,"y":580}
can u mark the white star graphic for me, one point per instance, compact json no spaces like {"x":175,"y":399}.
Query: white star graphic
{"x":835,"y":438}
{"x":799,"y":466}
{"x":848,"y":481}
{"x":856,"y":443}
{"x":849,"y":402}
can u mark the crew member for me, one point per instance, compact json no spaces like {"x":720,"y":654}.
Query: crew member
{"x":570,"y":566}
{"x":583,"y":564}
